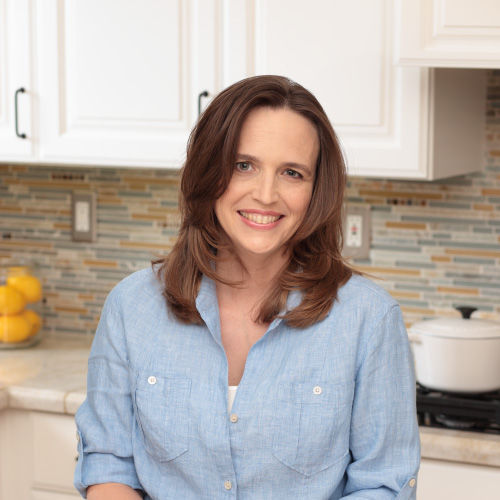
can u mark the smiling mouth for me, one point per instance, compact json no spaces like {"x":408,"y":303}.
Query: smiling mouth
{"x":260,"y":218}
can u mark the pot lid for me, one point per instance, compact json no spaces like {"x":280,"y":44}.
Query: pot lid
{"x":457,"y":328}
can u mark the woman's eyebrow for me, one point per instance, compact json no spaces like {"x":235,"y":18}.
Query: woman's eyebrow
{"x":289,"y":164}
{"x":245,"y":157}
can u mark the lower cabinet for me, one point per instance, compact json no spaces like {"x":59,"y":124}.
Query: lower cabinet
{"x":439,"y":479}
{"x":51,"y":495}
{"x":37,"y":455}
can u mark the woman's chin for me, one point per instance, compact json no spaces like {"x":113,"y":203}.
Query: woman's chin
{"x":261,"y":252}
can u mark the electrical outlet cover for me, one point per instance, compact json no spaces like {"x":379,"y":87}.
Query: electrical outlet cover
{"x":83,"y":216}
{"x":357,"y":232}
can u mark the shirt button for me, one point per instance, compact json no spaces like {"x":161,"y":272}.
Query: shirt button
{"x":412,"y":482}
{"x":317,"y":390}
{"x":233,"y":418}
{"x":228,"y":485}
{"x":152,"y":380}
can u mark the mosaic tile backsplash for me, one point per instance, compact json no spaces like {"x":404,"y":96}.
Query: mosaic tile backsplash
{"x":435,"y":245}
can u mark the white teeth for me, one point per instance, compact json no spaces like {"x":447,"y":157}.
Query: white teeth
{"x":259,"y":218}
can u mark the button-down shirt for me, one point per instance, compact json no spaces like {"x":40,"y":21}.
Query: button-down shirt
{"x":323,"y":412}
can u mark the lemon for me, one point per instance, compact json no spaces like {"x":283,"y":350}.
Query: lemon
{"x":11,"y":300}
{"x":34,"y":320}
{"x":14,"y":328}
{"x":28,"y":285}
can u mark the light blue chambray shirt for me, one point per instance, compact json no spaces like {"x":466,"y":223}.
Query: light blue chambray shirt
{"x":324,"y":412}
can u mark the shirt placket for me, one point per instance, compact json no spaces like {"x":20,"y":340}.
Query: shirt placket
{"x":235,"y":428}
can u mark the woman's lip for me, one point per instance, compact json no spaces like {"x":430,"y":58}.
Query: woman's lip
{"x":258,"y":225}
{"x":261,"y":212}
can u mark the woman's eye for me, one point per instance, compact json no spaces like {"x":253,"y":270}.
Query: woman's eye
{"x":292,"y":173}
{"x":243,"y":166}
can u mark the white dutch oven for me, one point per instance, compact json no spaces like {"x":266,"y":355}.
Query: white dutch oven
{"x":457,"y":354}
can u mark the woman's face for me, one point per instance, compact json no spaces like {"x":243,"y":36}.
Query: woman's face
{"x":270,"y":190}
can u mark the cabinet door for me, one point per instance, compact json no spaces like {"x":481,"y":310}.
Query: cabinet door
{"x":16,"y":448}
{"x":119,"y":81}
{"x":54,"y":451}
{"x":449,"y":33}
{"x":441,"y":479}
{"x":15,"y":57}
{"x":52,"y":495}
{"x":342,"y":52}
{"x":37,"y":455}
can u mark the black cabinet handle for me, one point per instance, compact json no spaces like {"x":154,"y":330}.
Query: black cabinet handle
{"x":21,"y":90}
{"x":200,"y":95}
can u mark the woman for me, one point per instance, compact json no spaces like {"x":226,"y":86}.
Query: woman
{"x":254,"y":301}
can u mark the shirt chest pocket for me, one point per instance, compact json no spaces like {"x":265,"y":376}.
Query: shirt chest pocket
{"x":311,"y":425}
{"x":161,"y":405}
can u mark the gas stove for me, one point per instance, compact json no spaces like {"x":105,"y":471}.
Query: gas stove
{"x":466,"y":412}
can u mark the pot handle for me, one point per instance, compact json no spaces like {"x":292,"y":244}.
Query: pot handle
{"x":414,"y":338}
{"x":466,"y":311}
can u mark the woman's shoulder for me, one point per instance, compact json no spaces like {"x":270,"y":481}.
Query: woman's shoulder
{"x":363,"y":305}
{"x":359,"y":290}
{"x":142,"y":285}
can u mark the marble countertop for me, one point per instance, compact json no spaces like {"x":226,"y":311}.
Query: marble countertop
{"x":51,"y":376}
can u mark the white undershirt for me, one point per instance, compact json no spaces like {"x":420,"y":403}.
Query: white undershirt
{"x":231,"y":394}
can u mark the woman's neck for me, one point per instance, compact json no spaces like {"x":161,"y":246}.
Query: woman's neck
{"x":258,"y":273}
{"x":254,"y":281}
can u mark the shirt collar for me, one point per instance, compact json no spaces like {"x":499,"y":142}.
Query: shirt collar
{"x":293,"y":300}
{"x":208,"y":307}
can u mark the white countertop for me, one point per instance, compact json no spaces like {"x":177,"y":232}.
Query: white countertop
{"x":51,"y":376}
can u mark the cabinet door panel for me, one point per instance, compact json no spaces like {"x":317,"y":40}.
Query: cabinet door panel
{"x":441,"y":479}
{"x":468,"y":14}
{"x":316,"y":54}
{"x":108,"y":63}
{"x":54,"y":451}
{"x":52,"y":495}
{"x":16,"y":448}
{"x":120,"y":82}
{"x":449,"y":33}
{"x":15,"y":54}
{"x":345,"y":59}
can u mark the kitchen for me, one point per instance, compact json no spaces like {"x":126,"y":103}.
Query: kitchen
{"x":434,"y":238}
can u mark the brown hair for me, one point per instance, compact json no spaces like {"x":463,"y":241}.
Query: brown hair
{"x":316,"y":266}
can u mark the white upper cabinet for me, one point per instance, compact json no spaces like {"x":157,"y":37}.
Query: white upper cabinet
{"x":117,"y":83}
{"x":449,"y":33}
{"x":16,"y":83}
{"x":384,"y":114}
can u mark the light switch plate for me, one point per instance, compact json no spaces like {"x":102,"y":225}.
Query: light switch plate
{"x":357,"y":232}
{"x":83,"y":210}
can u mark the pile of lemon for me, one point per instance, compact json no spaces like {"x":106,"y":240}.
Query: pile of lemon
{"x":18,"y":288}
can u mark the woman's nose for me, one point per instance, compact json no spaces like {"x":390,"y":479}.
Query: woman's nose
{"x":266,"y":189}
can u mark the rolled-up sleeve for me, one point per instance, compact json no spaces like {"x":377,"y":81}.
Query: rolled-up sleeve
{"x":105,"y":419}
{"x":384,"y":439}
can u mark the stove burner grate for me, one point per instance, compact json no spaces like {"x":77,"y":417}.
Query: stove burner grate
{"x":474,"y":412}
{"x":462,"y":424}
